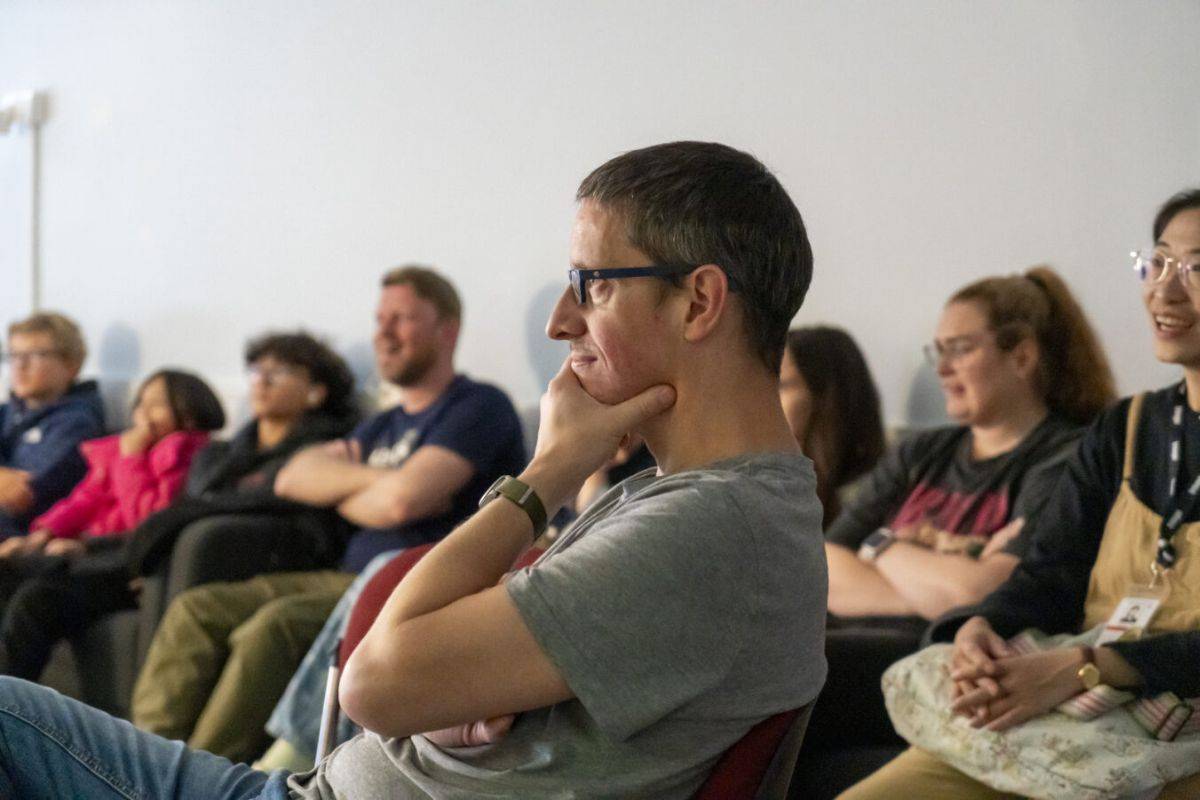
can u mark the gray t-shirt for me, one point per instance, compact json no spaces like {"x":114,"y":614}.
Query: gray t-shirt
{"x":681,"y":610}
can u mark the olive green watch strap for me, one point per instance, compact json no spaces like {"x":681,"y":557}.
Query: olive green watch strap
{"x":523,"y":495}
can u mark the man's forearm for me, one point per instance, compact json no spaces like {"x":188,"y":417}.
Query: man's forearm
{"x":318,"y":479}
{"x":384,"y":504}
{"x":425,"y":485}
{"x":474,"y":557}
{"x":448,"y":624}
{"x":477,"y":554}
{"x":372,"y":507}
{"x":416,"y":668}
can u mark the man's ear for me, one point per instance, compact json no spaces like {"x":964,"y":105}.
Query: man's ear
{"x":708,"y":294}
{"x":449,"y":329}
{"x":73,"y":367}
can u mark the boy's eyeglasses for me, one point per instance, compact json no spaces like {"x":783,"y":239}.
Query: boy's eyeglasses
{"x":28,"y":356}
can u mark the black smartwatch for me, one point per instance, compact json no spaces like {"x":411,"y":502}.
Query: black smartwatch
{"x":874,"y":545}
{"x":523,"y":495}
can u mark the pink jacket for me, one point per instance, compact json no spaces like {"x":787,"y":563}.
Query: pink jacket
{"x":120,"y":491}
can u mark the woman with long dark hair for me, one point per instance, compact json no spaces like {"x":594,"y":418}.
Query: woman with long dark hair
{"x":832,"y":407}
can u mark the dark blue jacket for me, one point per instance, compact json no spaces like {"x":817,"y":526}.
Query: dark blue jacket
{"x":45,"y":443}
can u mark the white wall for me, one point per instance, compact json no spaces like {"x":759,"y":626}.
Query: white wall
{"x":212,"y":169}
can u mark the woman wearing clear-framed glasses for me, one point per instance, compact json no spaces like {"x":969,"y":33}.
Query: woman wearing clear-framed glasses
{"x":936,"y":525}
{"x":1126,"y":515}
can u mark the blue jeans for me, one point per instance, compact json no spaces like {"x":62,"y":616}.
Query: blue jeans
{"x":297,"y":716}
{"x":53,"y":747}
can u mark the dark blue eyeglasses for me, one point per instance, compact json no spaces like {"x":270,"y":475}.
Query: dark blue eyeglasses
{"x":579,"y":277}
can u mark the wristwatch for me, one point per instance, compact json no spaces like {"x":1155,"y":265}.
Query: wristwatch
{"x":874,"y":545}
{"x":523,"y":495}
{"x":1089,"y":673}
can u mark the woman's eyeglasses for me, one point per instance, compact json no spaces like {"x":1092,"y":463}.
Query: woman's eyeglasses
{"x":1154,"y":267}
{"x":271,"y":375}
{"x":952,"y":349}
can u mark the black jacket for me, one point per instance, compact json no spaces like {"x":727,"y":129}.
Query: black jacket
{"x":235,"y":477}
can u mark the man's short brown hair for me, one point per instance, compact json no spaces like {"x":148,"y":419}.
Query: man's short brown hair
{"x":699,"y":203}
{"x":428,"y":285}
{"x":68,"y":340}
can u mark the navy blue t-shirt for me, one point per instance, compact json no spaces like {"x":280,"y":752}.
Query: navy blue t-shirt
{"x":475,"y":420}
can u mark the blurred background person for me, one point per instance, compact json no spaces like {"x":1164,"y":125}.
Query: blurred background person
{"x":47,"y":415}
{"x":832,"y":407}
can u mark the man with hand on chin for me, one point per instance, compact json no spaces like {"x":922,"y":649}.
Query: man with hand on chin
{"x":681,"y":608}
{"x":678,"y":611}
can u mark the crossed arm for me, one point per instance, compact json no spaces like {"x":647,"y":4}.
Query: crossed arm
{"x":910,"y":579}
{"x":331,"y":474}
{"x":448,"y":624}
{"x":449,"y":646}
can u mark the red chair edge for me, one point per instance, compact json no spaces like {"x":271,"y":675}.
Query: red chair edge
{"x":740,"y":771}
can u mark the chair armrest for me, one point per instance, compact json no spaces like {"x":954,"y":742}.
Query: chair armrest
{"x":850,"y":710}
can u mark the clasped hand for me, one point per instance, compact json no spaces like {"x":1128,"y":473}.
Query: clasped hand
{"x":997,"y":689}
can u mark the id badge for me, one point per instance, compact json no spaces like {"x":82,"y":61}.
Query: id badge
{"x":1131,"y":618}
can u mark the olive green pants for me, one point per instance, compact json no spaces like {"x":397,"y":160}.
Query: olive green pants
{"x":224,"y":654}
{"x":917,"y":774}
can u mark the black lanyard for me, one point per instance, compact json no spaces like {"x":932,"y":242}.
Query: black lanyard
{"x":1175,"y":513}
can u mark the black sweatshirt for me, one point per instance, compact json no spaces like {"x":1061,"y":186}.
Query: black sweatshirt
{"x":1048,"y":589}
{"x":931,"y":475}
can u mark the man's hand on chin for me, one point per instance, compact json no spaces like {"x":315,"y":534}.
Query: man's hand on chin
{"x":578,"y":434}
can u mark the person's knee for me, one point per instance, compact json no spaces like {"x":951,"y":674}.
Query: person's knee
{"x":201,"y":603}
{"x":17,"y":694}
{"x":269,"y":627}
{"x":25,"y":602}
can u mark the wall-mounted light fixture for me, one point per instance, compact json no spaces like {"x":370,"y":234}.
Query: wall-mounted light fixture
{"x":25,"y":112}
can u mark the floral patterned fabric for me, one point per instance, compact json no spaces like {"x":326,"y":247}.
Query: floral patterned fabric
{"x":1052,"y":756}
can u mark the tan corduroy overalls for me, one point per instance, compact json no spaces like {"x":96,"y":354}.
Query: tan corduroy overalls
{"x":1127,"y":549}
